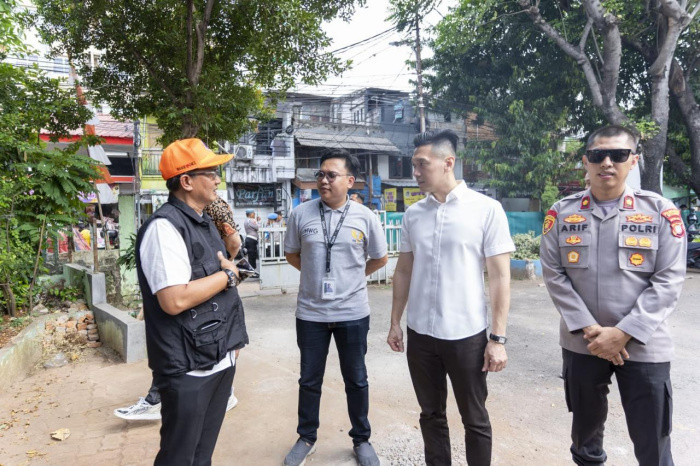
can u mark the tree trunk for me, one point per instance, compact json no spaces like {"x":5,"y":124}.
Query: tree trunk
{"x":10,"y":300}
{"x":690,"y":110}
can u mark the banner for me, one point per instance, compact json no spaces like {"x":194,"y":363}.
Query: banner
{"x":411,"y":196}
{"x":390,"y":199}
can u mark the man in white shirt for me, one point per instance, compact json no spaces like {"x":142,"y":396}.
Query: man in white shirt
{"x":193,"y":313}
{"x":446,"y":239}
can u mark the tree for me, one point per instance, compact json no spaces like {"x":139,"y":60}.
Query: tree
{"x":654,"y":29}
{"x":39,"y":188}
{"x":605,"y":62}
{"x":198,"y":66}
{"x":488,"y":62}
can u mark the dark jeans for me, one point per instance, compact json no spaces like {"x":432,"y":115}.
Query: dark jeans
{"x":251,"y":245}
{"x":313,"y":339}
{"x":192,"y":411}
{"x":647,"y":399}
{"x":430,"y":361}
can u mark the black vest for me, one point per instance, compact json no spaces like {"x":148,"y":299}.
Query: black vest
{"x":199,"y":337}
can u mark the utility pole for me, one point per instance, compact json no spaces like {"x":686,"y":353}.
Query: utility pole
{"x":421,"y":104}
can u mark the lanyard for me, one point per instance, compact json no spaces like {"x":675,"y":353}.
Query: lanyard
{"x":331,"y":241}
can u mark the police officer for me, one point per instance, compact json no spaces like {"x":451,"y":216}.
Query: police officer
{"x":613,"y":260}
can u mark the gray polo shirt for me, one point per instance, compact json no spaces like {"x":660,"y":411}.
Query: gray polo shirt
{"x":360,"y":236}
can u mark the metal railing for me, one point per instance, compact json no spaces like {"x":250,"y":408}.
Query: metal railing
{"x":150,"y":160}
{"x":271,"y":244}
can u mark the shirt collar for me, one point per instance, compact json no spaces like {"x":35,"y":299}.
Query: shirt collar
{"x":458,"y":192}
{"x":339,"y":209}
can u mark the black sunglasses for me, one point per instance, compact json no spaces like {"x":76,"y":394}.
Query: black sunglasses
{"x":319,"y":175}
{"x":616,"y":155}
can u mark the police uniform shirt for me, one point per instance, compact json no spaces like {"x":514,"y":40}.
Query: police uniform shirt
{"x":624,"y":269}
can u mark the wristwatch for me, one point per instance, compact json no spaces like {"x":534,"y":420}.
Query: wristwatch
{"x":233,"y":280}
{"x":498,"y":338}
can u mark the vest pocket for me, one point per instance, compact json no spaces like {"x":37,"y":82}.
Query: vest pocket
{"x":204,"y":333}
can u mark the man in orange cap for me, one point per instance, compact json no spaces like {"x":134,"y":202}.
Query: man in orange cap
{"x":193,"y":313}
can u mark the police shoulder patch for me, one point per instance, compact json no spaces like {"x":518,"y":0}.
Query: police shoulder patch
{"x":549,"y":220}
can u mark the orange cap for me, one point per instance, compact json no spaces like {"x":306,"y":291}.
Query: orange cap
{"x":186,"y":155}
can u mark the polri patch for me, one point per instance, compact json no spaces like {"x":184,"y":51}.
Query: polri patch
{"x":676,"y":221}
{"x":549,"y":220}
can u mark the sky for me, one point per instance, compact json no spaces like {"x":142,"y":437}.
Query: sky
{"x":376,"y":63}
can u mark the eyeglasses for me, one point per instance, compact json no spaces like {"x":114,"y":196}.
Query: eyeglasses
{"x":616,"y":155}
{"x":319,"y":175}
{"x":211,"y":174}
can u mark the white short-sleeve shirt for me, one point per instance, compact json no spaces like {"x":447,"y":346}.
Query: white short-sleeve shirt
{"x":450,"y":242}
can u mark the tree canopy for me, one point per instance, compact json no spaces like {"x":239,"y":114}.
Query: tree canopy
{"x":197,"y":66}
{"x":575,"y":66}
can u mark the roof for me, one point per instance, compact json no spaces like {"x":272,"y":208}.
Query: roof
{"x":401,"y":183}
{"x":345,"y":141}
{"x":109,"y":127}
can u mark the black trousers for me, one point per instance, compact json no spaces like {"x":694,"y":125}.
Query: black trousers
{"x":646,"y":393}
{"x":192,"y":411}
{"x":251,"y":245}
{"x":430,"y":361}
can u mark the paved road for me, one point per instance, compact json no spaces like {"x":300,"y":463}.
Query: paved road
{"x":526,"y":401}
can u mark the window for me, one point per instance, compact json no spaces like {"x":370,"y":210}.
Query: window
{"x":400,"y":167}
{"x":60,"y":65}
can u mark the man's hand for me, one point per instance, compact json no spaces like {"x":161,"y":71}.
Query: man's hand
{"x":395,"y":338}
{"x":608,"y":343}
{"x":495,"y":357}
{"x":237,"y":352}
{"x":227,"y":264}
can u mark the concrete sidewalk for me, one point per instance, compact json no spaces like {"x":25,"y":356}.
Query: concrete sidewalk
{"x":526,"y":401}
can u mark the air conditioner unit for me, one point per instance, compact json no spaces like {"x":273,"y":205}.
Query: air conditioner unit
{"x":244,"y":151}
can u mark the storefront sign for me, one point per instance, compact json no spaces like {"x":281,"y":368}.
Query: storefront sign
{"x":254,"y":195}
{"x":411,"y":196}
{"x":390,"y":199}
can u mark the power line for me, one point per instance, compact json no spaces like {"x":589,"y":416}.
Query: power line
{"x":342,"y":49}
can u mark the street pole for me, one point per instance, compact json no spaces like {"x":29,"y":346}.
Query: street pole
{"x":421,"y":104}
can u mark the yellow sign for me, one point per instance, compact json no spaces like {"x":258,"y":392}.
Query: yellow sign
{"x":390,"y":199}
{"x":411,"y":196}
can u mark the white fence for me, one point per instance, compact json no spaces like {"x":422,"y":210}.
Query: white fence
{"x":275,"y":271}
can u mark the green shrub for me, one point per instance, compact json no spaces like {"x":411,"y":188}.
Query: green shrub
{"x":527,"y":246}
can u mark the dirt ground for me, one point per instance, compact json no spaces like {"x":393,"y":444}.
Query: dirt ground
{"x":526,"y":401}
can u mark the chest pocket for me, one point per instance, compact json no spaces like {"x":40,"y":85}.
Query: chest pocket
{"x":574,"y":248}
{"x":637,"y":251}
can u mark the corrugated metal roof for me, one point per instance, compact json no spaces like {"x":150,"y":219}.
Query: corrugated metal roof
{"x":345,"y":141}
{"x":401,"y":183}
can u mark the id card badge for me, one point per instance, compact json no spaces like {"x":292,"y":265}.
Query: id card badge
{"x":328,"y":289}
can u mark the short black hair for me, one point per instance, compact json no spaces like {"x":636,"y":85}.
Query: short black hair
{"x":352,"y":164}
{"x":360,"y":197}
{"x":173,"y":184}
{"x":612,"y":131}
{"x":437,"y":137}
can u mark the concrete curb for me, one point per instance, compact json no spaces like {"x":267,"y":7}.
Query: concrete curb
{"x":23,"y":352}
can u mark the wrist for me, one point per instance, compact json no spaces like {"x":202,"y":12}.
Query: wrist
{"x":496,"y":338}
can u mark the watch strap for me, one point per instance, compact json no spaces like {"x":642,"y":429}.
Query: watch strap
{"x":498,"y":338}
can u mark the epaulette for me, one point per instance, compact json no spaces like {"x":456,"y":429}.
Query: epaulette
{"x":645,"y":193}
{"x":573,"y":197}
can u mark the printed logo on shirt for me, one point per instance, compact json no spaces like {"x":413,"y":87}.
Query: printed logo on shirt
{"x":575,"y":218}
{"x":358,"y":236}
{"x":636,"y":259}
{"x":309,"y":231}
{"x":573,"y":257}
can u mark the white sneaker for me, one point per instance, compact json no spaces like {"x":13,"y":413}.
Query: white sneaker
{"x":142,"y":411}
{"x":232,"y":402}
